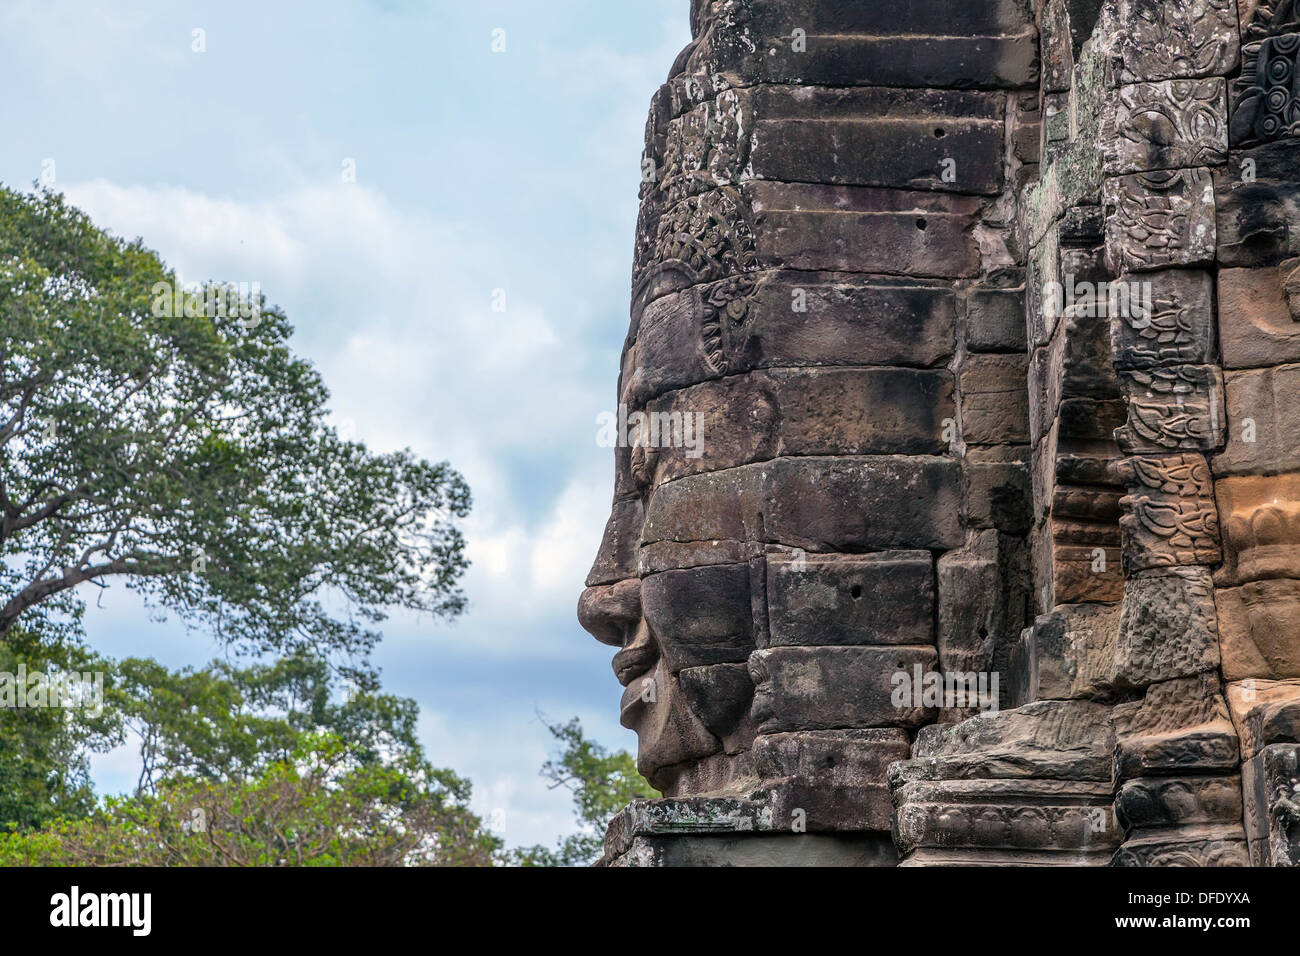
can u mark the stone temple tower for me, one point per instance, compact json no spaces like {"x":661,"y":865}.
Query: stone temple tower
{"x":957,"y":514}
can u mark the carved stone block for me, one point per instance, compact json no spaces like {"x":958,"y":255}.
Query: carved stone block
{"x":1058,"y":739}
{"x":862,"y":229}
{"x":1169,"y":319}
{"x":829,"y":780}
{"x":728,"y":831}
{"x":826,"y":688}
{"x":1256,"y":325}
{"x":1167,"y":125}
{"x":1257,"y":629}
{"x":1172,"y":408}
{"x":1261,"y":525}
{"x":1264,"y":712}
{"x":1146,"y":802}
{"x":784,"y":319}
{"x":1272,"y":797}
{"x":939,"y":46}
{"x":1160,"y":220}
{"x":1179,"y":726}
{"x":1216,"y":845}
{"x":1263,"y":433}
{"x":702,"y":615}
{"x":794,"y":412}
{"x":1169,"y":515}
{"x":983,"y":593}
{"x":1069,"y":653}
{"x":1265,"y":104}
{"x":1168,"y":628}
{"x":1257,"y":206}
{"x":818,"y":504}
{"x":1159,"y":40}
{"x":1264,"y":18}
{"x":1003,"y":821}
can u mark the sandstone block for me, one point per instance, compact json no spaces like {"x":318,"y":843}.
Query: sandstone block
{"x":1257,"y":629}
{"x":1256,"y":325}
{"x":1263,"y":434}
{"x":827,"y":688}
{"x":1161,"y":220}
{"x":1168,"y":124}
{"x":844,"y":599}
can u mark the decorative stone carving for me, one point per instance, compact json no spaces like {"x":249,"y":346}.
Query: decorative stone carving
{"x":1161,"y":219}
{"x":1167,"y":125}
{"x":1265,"y":105}
{"x":1168,"y":319}
{"x":1261,"y":522}
{"x":1257,"y":629}
{"x":1169,"y":516}
{"x":1272,"y":787}
{"x":1265,"y":18}
{"x":1168,"y":628}
{"x":1159,"y":40}
{"x":1179,"y":726}
{"x":704,"y":238}
{"x":1174,"y":408}
{"x":846,"y":265}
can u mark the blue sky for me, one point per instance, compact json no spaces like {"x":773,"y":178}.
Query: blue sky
{"x":475,"y":172}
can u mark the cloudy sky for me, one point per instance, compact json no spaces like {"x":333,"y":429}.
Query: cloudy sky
{"x":478,"y":174}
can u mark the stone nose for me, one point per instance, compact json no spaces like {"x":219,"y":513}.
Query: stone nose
{"x":609,"y":612}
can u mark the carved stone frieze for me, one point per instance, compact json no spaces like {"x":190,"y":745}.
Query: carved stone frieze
{"x":1159,"y":220}
{"x":1169,"y":515}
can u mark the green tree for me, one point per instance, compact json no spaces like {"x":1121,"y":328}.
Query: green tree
{"x":602,"y":783}
{"x":177,"y":443}
{"x":316,"y":808}
{"x":45,"y":752}
{"x":225,"y":722}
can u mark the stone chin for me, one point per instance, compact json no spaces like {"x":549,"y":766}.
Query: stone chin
{"x":668,"y":733}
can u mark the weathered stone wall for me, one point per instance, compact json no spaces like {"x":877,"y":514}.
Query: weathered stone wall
{"x":872,"y":246}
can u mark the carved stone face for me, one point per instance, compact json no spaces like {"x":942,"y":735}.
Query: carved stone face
{"x":796,"y":302}
{"x":682,"y":626}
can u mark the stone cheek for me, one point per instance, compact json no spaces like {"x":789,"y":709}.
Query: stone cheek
{"x":884,"y":598}
{"x":820,"y":688}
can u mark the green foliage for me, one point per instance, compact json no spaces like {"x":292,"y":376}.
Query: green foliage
{"x":175,"y":442}
{"x":602,"y":784}
{"x":227,"y":722}
{"x":316,"y":808}
{"x":179,"y":444}
{"x":44,"y":752}
{"x":253,"y":766}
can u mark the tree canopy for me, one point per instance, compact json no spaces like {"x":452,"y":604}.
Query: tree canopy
{"x":177,"y":442}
